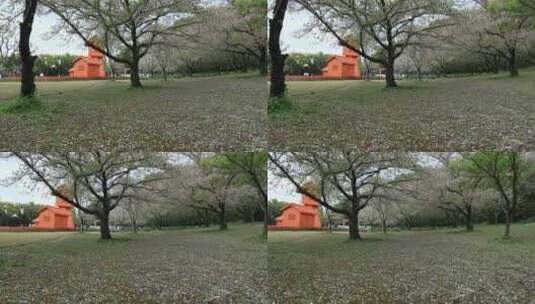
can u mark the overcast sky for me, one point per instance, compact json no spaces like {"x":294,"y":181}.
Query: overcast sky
{"x":20,"y":192}
{"x":44,"y":41}
{"x":295,"y":41}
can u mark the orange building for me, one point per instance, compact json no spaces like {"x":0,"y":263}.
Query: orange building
{"x":346,"y":66}
{"x":91,"y":66}
{"x":302,"y":216}
{"x":55,"y":217}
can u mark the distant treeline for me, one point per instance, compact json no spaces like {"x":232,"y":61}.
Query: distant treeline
{"x":46,"y":65}
{"x":300,"y":64}
{"x":12,"y":214}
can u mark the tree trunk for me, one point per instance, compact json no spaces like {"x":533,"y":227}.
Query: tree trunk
{"x":27,"y":88}
{"x":508,"y":221}
{"x":222,"y":217}
{"x":513,"y":63}
{"x":390,"y":78}
{"x":469,"y":223}
{"x":354,"y":233}
{"x":134,"y":225}
{"x":105,"y":226}
{"x":278,"y":84}
{"x":266,"y":222}
{"x":383,"y":223}
{"x":419,"y":71}
{"x":262,"y":63}
{"x":135,"y":81}
{"x":164,"y":72}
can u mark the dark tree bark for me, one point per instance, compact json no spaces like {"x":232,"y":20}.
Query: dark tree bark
{"x":262,"y":65}
{"x":513,"y":63}
{"x":28,"y":60}
{"x":508,"y":220}
{"x":469,"y":220}
{"x":390,"y":78}
{"x":222,"y":217}
{"x":419,"y":73}
{"x":278,"y":84}
{"x":104,"y":226}
{"x":135,"y":80}
{"x":354,"y":233}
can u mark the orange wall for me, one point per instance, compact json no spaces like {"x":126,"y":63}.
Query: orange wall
{"x":344,"y":67}
{"x":293,"y":218}
{"x":89,"y":67}
{"x":58,"y":217}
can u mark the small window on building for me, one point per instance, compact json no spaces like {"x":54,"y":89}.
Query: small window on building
{"x":291,"y":217}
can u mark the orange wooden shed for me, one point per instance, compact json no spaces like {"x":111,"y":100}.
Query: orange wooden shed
{"x":55,"y":217}
{"x":90,"y":66}
{"x":300,"y":216}
{"x":343,"y":67}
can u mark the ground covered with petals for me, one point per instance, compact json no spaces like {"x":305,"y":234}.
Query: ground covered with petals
{"x":452,"y":114}
{"x":442,"y":266}
{"x":185,"y":266}
{"x":224,"y":113}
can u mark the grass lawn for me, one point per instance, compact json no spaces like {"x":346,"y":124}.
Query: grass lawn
{"x":204,"y":114}
{"x":180,"y":266}
{"x":441,"y":266}
{"x":452,"y":114}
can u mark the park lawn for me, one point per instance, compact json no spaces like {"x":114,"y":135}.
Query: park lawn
{"x":177,"y":266}
{"x":439,"y":266}
{"x":223,"y":113}
{"x":451,"y":114}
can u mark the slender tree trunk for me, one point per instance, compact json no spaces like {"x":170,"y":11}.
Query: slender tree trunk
{"x":419,"y":71}
{"x":508,"y":221}
{"x":278,"y":84}
{"x":134,"y":225}
{"x":469,"y":222}
{"x":266,"y":222}
{"x":105,"y":226}
{"x":164,"y":72}
{"x":383,"y":223}
{"x":222,"y":217}
{"x":513,"y":63}
{"x":27,"y":88}
{"x":262,"y":62}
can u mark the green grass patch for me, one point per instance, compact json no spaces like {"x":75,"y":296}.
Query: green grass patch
{"x":281,"y":105}
{"x":30,"y":106}
{"x":21,"y":105}
{"x":10,"y":261}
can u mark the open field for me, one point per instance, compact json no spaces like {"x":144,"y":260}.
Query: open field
{"x":182,"y":266}
{"x":441,"y":266}
{"x":455,"y":114}
{"x":209,"y":114}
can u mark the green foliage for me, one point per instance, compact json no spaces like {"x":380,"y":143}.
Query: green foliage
{"x":299,"y":64}
{"x":508,"y":6}
{"x":274,"y":209}
{"x":278,"y":105}
{"x":53,"y":65}
{"x":17,"y":214}
{"x":244,"y":165}
{"x":22,"y":105}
